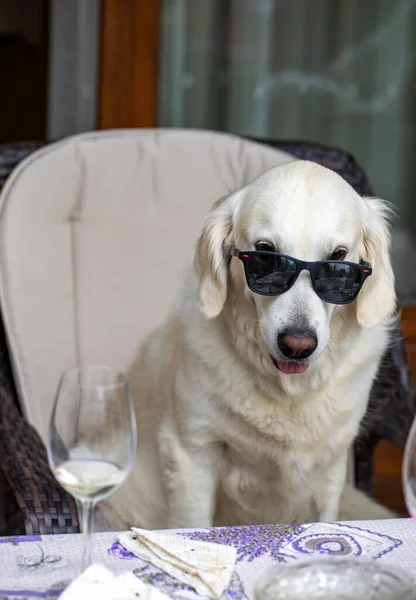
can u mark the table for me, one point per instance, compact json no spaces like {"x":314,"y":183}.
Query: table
{"x":31,"y":565}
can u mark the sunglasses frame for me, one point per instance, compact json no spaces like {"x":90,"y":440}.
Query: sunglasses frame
{"x":301,"y":265}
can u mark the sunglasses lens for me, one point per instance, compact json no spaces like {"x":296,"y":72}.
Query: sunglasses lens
{"x":336,"y":282}
{"x":270,"y":274}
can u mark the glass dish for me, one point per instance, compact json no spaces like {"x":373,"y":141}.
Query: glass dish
{"x":332,"y":578}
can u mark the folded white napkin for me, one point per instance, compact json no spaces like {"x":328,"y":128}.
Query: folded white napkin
{"x":205,"y":566}
{"x":98,"y":583}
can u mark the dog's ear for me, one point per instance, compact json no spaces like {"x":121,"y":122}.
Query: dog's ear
{"x":377,"y":298}
{"x":212,"y":256}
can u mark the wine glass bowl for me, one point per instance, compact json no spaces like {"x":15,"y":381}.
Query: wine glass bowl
{"x":92,"y":437}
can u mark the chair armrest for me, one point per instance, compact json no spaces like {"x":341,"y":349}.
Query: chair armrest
{"x":43,"y":506}
{"x":33,"y":500}
{"x":392,"y":405}
{"x":390,"y":412}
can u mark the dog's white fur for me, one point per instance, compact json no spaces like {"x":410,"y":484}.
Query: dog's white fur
{"x":226,"y":438}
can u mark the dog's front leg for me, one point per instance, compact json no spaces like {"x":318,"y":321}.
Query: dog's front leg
{"x":329,"y":492}
{"x":190,"y":485}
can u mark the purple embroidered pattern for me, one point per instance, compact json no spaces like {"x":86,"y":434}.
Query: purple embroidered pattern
{"x":250,"y":542}
{"x":331,"y":543}
{"x":119,"y":551}
{"x":20,"y":539}
{"x":390,"y":542}
{"x":28,"y":594}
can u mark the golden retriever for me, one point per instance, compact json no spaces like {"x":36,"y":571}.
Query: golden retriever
{"x":247,"y":404}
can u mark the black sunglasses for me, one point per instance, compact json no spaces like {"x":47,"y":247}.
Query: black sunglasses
{"x":272,"y":274}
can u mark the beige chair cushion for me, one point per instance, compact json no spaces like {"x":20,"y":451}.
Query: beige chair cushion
{"x":96,"y":232}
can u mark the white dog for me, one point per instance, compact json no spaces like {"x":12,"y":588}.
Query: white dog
{"x":247,"y":404}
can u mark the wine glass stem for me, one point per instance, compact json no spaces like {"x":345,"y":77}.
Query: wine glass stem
{"x":87,"y":508}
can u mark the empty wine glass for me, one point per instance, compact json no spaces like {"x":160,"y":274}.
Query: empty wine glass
{"x":409,"y":472}
{"x":92,"y":438}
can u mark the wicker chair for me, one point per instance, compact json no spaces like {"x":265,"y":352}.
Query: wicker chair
{"x":33,"y":503}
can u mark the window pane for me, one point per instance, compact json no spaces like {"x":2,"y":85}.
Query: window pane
{"x":340,"y":72}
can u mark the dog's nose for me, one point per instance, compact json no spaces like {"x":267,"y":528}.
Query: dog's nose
{"x":297,"y":344}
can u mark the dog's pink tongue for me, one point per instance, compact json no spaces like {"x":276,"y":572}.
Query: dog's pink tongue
{"x":291,"y":367}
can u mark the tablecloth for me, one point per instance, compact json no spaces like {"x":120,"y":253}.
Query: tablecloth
{"x":30,"y":566}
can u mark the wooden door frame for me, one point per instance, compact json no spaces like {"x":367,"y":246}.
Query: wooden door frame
{"x":129,"y":63}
